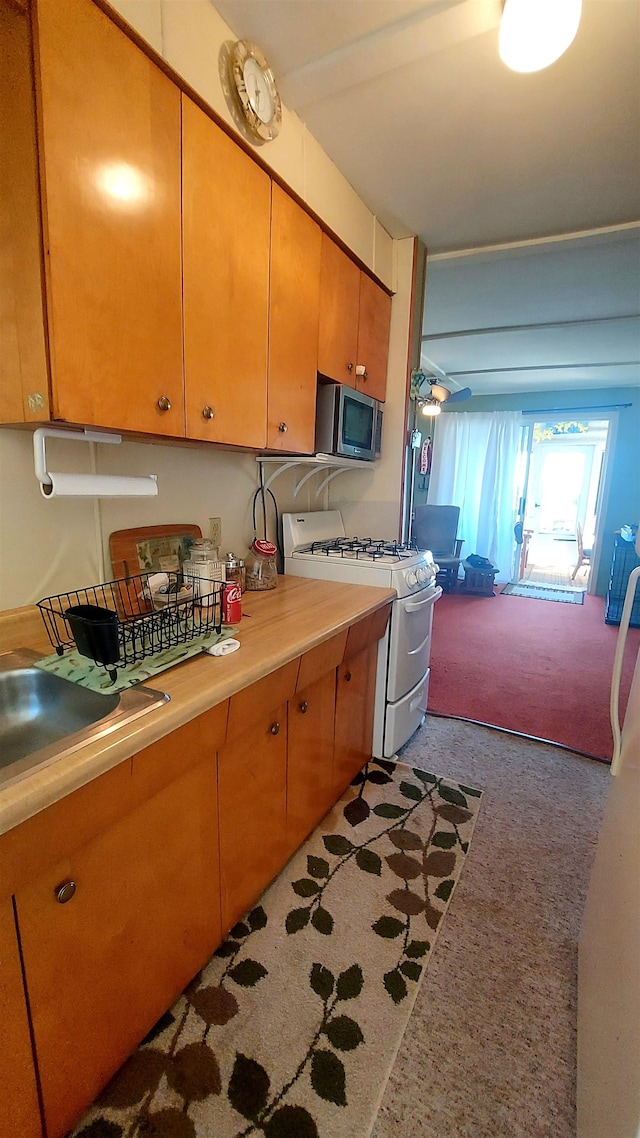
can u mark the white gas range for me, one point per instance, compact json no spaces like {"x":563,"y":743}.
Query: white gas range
{"x":315,"y":545}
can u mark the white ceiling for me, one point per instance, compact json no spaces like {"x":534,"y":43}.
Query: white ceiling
{"x":439,"y":138}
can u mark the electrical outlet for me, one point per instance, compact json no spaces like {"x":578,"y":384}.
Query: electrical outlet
{"x":216,"y":531}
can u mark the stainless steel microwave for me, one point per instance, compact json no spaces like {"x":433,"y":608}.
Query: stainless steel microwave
{"x":348,"y":423}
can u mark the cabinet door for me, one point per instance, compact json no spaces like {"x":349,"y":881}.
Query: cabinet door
{"x":226,"y":220}
{"x":19,"y":1111}
{"x":310,"y":783}
{"x":110,"y":152}
{"x":252,"y":776}
{"x":339,"y":299}
{"x":374,"y":322}
{"x":104,"y":965}
{"x":293,"y":325}
{"x":354,"y":716}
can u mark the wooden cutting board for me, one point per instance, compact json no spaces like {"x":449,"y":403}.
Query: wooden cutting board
{"x":149,"y":549}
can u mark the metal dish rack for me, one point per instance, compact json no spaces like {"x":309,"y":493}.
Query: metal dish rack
{"x":146,"y":621}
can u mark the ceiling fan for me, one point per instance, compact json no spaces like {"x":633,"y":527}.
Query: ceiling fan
{"x":428,"y":399}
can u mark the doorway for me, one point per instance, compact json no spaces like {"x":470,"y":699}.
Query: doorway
{"x":563,"y":492}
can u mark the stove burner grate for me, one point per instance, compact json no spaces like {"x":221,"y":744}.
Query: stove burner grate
{"x":361,"y":548}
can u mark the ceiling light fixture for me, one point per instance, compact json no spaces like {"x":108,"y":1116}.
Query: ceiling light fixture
{"x":430,"y":407}
{"x":534,"y":33}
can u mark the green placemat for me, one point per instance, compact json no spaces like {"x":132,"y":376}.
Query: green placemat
{"x":80,"y":670}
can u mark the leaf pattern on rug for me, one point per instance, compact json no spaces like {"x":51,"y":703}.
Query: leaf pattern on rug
{"x":291,"y":1028}
{"x":414,"y":861}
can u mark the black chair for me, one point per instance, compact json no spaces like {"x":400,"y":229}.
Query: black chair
{"x":436,"y":528}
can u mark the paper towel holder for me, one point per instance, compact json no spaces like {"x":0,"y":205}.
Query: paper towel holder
{"x":86,"y":485}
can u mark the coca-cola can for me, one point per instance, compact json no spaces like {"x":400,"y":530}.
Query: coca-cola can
{"x":231,"y":603}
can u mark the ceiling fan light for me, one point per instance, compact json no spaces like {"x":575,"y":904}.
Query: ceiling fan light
{"x":430,"y":407}
{"x":534,"y":33}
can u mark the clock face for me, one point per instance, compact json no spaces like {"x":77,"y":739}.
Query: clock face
{"x":255,"y":96}
{"x":258,"y":91}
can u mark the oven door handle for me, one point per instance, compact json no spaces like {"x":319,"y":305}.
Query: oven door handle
{"x":415,"y":651}
{"x":415,"y":606}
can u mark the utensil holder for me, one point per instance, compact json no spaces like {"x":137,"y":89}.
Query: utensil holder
{"x":95,"y":631}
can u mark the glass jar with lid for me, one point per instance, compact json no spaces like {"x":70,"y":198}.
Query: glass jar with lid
{"x":261,"y":568}
{"x":202,"y":566}
{"x":235,"y":570}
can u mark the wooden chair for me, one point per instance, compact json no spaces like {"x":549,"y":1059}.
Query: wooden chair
{"x":584,"y":555}
{"x":435,"y":528}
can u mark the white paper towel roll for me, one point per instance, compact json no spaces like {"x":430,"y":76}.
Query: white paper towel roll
{"x":99,"y":486}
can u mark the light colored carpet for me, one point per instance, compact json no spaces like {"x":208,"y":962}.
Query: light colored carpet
{"x":490,"y":1049}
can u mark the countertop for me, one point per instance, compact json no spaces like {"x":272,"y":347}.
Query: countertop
{"x":276,"y":627}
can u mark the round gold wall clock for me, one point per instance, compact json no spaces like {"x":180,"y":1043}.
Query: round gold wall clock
{"x":255,"y":90}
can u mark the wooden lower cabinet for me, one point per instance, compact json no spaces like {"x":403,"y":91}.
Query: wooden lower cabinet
{"x":354,"y":716}
{"x":310,"y":783}
{"x":19,"y":1110}
{"x":123,"y":889}
{"x":252,"y":794}
{"x":103,"y":966}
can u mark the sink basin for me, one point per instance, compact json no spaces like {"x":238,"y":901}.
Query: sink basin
{"x":43,"y":717}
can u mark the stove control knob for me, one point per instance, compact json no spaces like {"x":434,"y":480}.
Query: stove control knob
{"x":421,"y":574}
{"x":410,"y":578}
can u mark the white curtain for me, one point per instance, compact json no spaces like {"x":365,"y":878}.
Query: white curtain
{"x":475,"y":466}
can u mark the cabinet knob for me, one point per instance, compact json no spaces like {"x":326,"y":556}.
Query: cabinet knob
{"x":208,"y":412}
{"x":283,"y":428}
{"x":274,"y":728}
{"x":349,"y":367}
{"x":362,"y":372}
{"x":347,"y":677}
{"x":304,"y":706}
{"x":65,"y":891}
{"x":164,"y":403}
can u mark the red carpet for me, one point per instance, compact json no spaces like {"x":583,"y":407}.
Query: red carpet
{"x":539,"y":667}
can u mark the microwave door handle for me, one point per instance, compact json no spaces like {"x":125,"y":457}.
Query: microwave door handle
{"x":415,"y":606}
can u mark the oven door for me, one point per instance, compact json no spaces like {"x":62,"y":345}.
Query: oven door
{"x":410,"y":641}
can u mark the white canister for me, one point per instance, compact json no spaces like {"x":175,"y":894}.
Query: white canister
{"x":202,"y":566}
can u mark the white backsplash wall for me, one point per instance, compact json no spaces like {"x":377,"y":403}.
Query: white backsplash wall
{"x":53,"y":545}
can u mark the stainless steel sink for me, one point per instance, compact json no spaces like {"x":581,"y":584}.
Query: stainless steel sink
{"x":44,"y":717}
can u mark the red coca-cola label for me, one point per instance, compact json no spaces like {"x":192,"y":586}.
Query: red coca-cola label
{"x":231,"y":603}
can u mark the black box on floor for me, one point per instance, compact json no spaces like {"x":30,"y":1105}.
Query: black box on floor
{"x":479,"y":581}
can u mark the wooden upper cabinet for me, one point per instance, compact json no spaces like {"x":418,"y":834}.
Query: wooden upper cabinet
{"x":109,"y":128}
{"x":374,"y":321}
{"x":24,"y":385}
{"x":293,"y":325}
{"x":226,"y":223}
{"x":355,"y":317}
{"x":339,"y":300}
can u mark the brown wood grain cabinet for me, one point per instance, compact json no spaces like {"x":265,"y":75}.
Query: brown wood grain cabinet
{"x":355,"y":319}
{"x":293,"y":325}
{"x":354,"y":716}
{"x":310,"y":780}
{"x":252,"y":788}
{"x":154,"y":279}
{"x":226,"y":219}
{"x":123,"y":889}
{"x":374,"y":322}
{"x":109,"y":143}
{"x":105,"y":956}
{"x":339,"y":300}
{"x":19,"y":1108}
